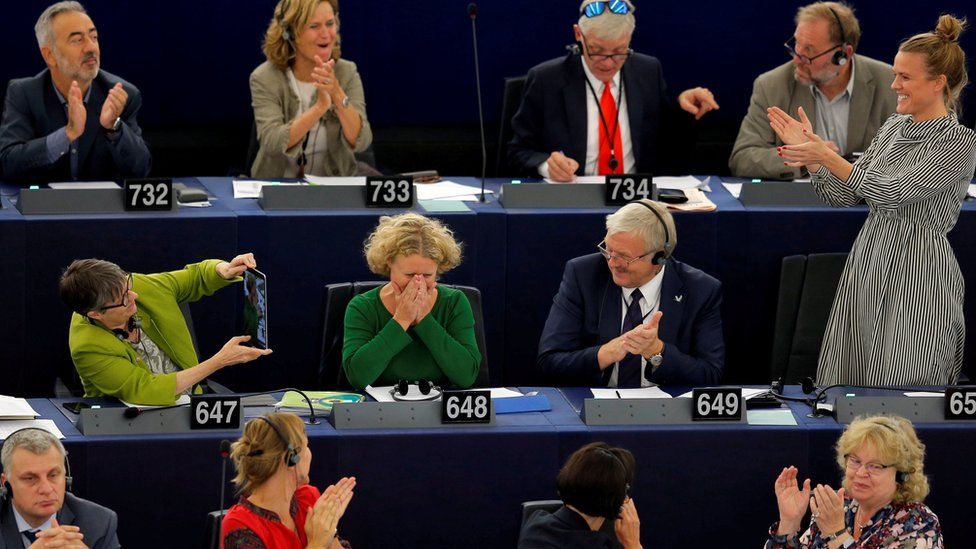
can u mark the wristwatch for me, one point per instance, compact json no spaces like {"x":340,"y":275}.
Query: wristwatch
{"x":835,"y":535}
{"x":115,"y":125}
{"x":657,"y":359}
{"x":345,"y":101}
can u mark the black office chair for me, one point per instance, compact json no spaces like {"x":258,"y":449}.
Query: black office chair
{"x":806,"y":294}
{"x":511,"y":100}
{"x":551,"y":506}
{"x":337,"y":297}
{"x":212,"y":531}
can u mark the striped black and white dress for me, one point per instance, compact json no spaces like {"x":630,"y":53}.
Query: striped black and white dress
{"x":897,"y":316}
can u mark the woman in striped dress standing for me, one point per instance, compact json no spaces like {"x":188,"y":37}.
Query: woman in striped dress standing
{"x":897,"y":316}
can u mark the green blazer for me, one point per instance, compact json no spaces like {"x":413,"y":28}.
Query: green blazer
{"x":442,"y":346}
{"x":111,"y":367}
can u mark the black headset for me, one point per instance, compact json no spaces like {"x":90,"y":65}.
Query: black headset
{"x":899,"y":475}
{"x":663,"y":255}
{"x":292,"y":457}
{"x":6,"y":490}
{"x":840,"y":57}
{"x":285,"y":30}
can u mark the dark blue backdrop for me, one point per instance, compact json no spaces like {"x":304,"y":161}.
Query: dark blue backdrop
{"x":192,"y":58}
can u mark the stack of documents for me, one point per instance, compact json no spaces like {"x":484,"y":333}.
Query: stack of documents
{"x":322,"y":401}
{"x":17,"y":414}
{"x":16,"y":408}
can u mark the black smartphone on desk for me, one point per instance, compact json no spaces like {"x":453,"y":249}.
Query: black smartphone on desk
{"x":76,"y":407}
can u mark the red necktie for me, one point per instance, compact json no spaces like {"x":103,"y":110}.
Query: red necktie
{"x":607,"y":125}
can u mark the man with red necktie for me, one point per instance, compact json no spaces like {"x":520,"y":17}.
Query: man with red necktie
{"x":597,"y":110}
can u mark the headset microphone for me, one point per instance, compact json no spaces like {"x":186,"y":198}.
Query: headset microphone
{"x":840,"y":57}
{"x":662,"y":256}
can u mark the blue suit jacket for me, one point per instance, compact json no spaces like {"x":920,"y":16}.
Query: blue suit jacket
{"x":552,"y":116}
{"x":587,"y":312}
{"x":97,"y":523}
{"x":32,"y":110}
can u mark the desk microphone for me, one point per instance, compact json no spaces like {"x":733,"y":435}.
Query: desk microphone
{"x":473,"y":14}
{"x":133,"y":412}
{"x":224,"y":455}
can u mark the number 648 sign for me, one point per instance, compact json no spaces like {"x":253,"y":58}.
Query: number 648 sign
{"x":466,"y":407}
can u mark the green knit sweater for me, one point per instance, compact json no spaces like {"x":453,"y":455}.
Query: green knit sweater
{"x":442,"y":346}
{"x":110,"y":367}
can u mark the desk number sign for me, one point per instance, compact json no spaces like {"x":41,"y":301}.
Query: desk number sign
{"x":621,"y":189}
{"x":215,"y":412}
{"x":466,"y":407}
{"x":390,"y":192}
{"x":960,"y":402}
{"x":149,"y":195}
{"x":717,"y":404}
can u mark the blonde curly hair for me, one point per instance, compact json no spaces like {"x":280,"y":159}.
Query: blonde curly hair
{"x":408,"y":234}
{"x":895,"y":440}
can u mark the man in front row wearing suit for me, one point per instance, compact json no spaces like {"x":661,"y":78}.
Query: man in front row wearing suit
{"x":845,"y":97}
{"x":568,"y":122}
{"x":36,"y":509}
{"x":631,"y":315}
{"x":70,"y":122}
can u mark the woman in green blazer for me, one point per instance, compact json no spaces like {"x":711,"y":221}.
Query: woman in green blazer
{"x":128,"y":338}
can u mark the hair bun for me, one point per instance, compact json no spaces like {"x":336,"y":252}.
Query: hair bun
{"x":949,"y":27}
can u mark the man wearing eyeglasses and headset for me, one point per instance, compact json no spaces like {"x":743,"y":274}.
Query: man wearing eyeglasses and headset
{"x":838,"y":95}
{"x":631,"y":315}
{"x":145,"y":358}
{"x":597,"y":110}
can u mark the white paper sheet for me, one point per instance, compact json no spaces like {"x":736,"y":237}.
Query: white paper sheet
{"x":772,"y":416}
{"x":447,"y":189}
{"x":924,"y":394}
{"x":84,"y":185}
{"x":735,"y":189}
{"x":644,"y":392}
{"x":183,"y":400}
{"x":972,"y":191}
{"x":16,"y":408}
{"x":319,"y":180}
{"x":249,"y":188}
{"x":747,"y":393}
{"x":7,"y":427}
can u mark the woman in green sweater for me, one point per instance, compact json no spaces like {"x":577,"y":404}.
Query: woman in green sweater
{"x":411,"y":328}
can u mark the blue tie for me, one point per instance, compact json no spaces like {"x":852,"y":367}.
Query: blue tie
{"x":629,"y":368}
{"x":31,"y":535}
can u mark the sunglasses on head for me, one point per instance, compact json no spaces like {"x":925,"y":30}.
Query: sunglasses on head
{"x":597,"y":8}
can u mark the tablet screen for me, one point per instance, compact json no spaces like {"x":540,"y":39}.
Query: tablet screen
{"x":256,"y":307}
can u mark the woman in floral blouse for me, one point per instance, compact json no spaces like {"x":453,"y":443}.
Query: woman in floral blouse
{"x":880,"y":504}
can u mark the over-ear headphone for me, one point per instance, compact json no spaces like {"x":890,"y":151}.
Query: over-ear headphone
{"x":285,"y":30}
{"x":663,"y":255}
{"x":6,"y":490}
{"x":840,"y":56}
{"x":292,"y":457}
{"x":899,"y":475}
{"x":134,"y":323}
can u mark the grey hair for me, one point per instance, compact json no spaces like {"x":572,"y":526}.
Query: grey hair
{"x":638,"y":220}
{"x":607,"y":25}
{"x":88,"y":284}
{"x":34,"y":440}
{"x":43,"y":30}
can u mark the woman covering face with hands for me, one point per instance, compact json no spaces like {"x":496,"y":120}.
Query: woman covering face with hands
{"x":879,"y":504}
{"x":410,"y":328}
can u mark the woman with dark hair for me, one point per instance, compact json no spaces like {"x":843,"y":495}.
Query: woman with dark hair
{"x":594,"y":485}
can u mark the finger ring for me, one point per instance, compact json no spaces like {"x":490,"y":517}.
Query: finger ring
{"x":814,"y":516}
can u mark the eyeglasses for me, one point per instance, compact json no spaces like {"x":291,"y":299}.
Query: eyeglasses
{"x":871,"y":468}
{"x":616,"y":57}
{"x":125,"y":296}
{"x":597,"y":8}
{"x":608,"y":255}
{"x":790,"y":46}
